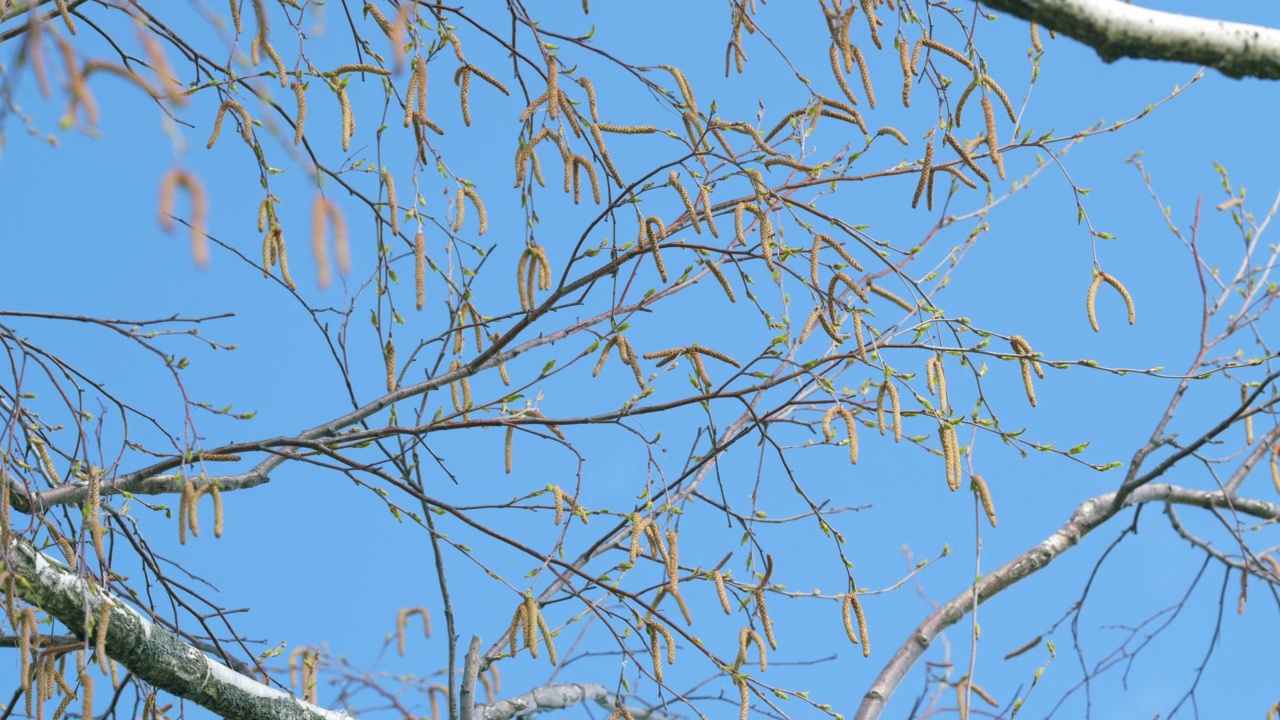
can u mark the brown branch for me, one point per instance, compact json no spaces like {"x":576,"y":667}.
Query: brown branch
{"x":1088,"y":516}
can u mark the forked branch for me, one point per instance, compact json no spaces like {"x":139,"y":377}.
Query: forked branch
{"x":1089,"y":515}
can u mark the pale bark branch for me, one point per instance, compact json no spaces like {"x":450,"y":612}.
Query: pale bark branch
{"x":1119,"y":30}
{"x":151,"y":653}
{"x":1088,"y":516}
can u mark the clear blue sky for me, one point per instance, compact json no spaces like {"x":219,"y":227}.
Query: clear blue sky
{"x":320,"y":561}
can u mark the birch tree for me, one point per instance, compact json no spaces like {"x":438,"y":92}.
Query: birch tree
{"x":612,"y":331}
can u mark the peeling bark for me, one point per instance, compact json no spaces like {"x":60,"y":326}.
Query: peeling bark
{"x":1119,"y":30}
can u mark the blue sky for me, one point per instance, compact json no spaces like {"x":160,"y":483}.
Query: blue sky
{"x":321,"y":561}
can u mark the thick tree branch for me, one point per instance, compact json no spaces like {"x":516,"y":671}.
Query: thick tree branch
{"x":150,"y":652}
{"x":1088,"y":516}
{"x":1119,"y":30}
{"x":164,"y":661}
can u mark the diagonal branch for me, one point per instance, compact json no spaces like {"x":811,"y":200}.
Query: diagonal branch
{"x":150,"y":652}
{"x":1119,"y":30}
{"x":1088,"y":516}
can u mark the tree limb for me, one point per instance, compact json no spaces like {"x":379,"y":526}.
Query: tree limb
{"x":150,"y":652}
{"x":1118,"y":30}
{"x":1089,"y":515}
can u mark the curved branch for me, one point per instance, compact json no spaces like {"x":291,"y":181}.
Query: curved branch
{"x":150,"y":652}
{"x":1118,"y":30}
{"x":1088,"y":516}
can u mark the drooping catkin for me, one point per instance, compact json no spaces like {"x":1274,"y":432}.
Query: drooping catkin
{"x":926,"y":168}
{"x":723,"y":595}
{"x":948,"y":51}
{"x":420,"y":267}
{"x":838,"y":73}
{"x":993,"y":143}
{"x":184,"y":179}
{"x":851,"y":430}
{"x":389,"y":359}
{"x":1004,"y":99}
{"x":950,"y":455}
{"x":762,"y":611}
{"x":652,"y":232}
{"x":746,"y":637}
{"x":1248,"y":419}
{"x":506,"y":448}
{"x":389,"y":182}
{"x":979,"y":486}
{"x":185,"y":503}
{"x":1275,"y":465}
{"x":673,"y":179}
{"x":319,"y":216}
{"x":907,"y":78}
{"x":862,"y":623}
{"x":1099,"y":278}
{"x":720,"y":278}
{"x":246,"y":124}
{"x":1026,"y":358}
{"x":846,"y":603}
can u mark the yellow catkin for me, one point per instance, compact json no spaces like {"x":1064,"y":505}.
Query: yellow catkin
{"x":897,"y":411}
{"x":846,"y":602}
{"x":420,"y":268}
{"x":1275,"y":466}
{"x":348,"y":117}
{"x":604,"y":355}
{"x":720,"y":278}
{"x":299,"y":122}
{"x":215,"y":492}
{"x":744,"y":696}
{"x":762,"y":610}
{"x":862,"y":624}
{"x":506,"y":447}
{"x":721,"y":593}
{"x":809,"y":323}
{"x":1026,"y":379}
{"x":979,"y":486}
{"x":881,"y":425}
{"x":964,"y":98}
{"x":653,"y":231}
{"x":851,"y":430}
{"x":673,"y":179}
{"x":1248,"y":420}
{"x":949,"y":52}
{"x":993,"y":143}
{"x":1004,"y":99}
{"x":838,"y":73}
{"x":580,"y":162}
{"x":548,"y":638}
{"x":965,"y":157}
{"x":27,"y":634}
{"x":393,"y":207}
{"x":389,"y":359}
{"x":814,"y":263}
{"x":637,"y":531}
{"x":319,"y":218}
{"x":926,"y":168}
{"x":184,"y":511}
{"x":857,"y":334}
{"x":169,"y":184}
{"x":746,"y":637}
{"x":907,"y":77}
{"x":86,"y":702}
{"x":949,"y":455}
{"x":341,"y":241}
{"x":1111,"y":280}
{"x":246,"y":124}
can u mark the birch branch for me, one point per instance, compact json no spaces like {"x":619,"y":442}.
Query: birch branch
{"x":1119,"y":30}
{"x":150,"y":652}
{"x":1089,"y":515}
